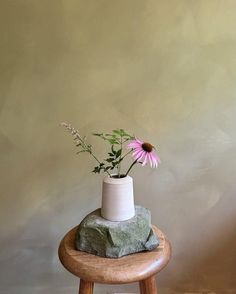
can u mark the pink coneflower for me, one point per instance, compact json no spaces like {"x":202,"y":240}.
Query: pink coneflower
{"x":144,"y":152}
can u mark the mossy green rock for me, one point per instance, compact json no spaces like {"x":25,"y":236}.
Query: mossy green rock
{"x":99,"y":236}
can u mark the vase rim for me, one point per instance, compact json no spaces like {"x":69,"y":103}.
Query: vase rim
{"x":111,"y":180}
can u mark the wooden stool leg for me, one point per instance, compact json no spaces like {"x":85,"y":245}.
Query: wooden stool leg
{"x":85,"y":287}
{"x":148,"y":286}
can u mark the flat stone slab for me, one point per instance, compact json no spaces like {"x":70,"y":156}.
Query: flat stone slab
{"x":102,"y":237}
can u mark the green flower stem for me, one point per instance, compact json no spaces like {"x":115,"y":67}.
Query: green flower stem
{"x":88,"y":148}
{"x":119,"y":165}
{"x":131,"y":167}
{"x":127,"y":154}
{"x":99,"y":162}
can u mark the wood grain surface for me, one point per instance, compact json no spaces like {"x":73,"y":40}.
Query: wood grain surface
{"x":86,"y":287}
{"x":148,"y":286}
{"x":127,"y":269}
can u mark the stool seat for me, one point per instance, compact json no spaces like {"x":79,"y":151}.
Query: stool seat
{"x":127,"y":269}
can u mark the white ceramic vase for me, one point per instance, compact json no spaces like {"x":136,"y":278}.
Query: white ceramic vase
{"x":117,"y":199}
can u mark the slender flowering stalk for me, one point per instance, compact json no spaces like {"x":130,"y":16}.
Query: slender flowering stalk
{"x":78,"y":139}
{"x":81,"y":142}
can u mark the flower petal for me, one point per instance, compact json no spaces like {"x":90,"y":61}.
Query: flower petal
{"x":142,"y":155}
{"x":153,"y":158}
{"x":150,"y":160}
{"x":139,"y":141}
{"x":136,"y":151}
{"x":133,"y":145}
{"x":145,"y":159}
{"x":139,"y":155}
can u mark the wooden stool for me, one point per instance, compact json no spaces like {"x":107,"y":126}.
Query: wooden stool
{"x":138,"y":267}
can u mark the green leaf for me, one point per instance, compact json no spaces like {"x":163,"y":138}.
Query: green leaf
{"x":98,"y":134}
{"x":113,"y":150}
{"x":109,"y":159}
{"x":81,"y":151}
{"x":122,"y":133}
{"x":116,"y":131}
{"x":118,"y":153}
{"x":96,"y":170}
{"x":113,"y":141}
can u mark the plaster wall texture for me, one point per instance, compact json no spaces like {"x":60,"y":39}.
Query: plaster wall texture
{"x":164,"y":70}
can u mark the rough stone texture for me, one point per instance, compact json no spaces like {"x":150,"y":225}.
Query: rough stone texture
{"x":105,"y":238}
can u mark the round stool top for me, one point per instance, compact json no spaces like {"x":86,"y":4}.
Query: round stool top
{"x":126,"y":269}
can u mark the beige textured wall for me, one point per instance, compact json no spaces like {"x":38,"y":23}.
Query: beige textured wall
{"x":164,"y":70}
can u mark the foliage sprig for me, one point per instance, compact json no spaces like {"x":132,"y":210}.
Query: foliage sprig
{"x":116,"y":140}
